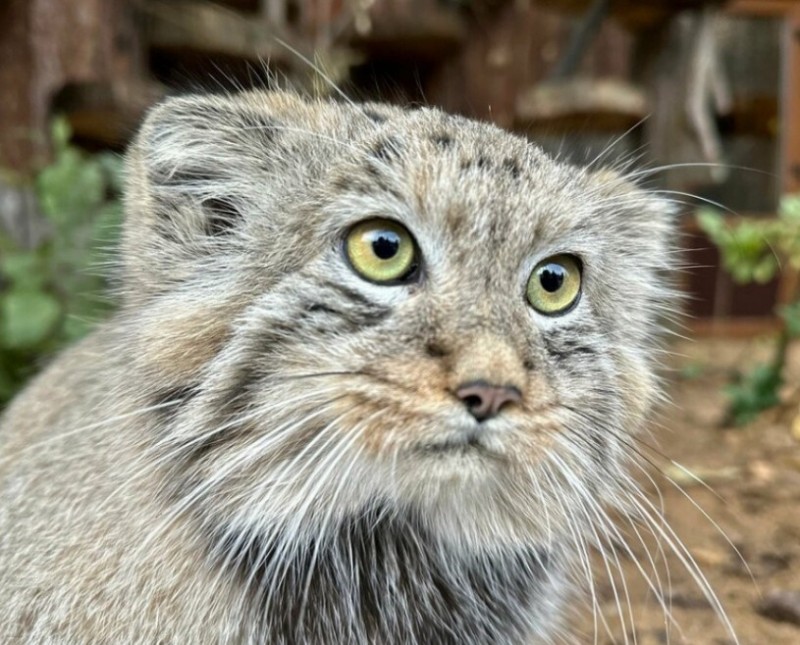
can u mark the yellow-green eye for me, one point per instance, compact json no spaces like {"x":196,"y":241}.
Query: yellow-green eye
{"x":555,"y":284}
{"x":381,"y":250}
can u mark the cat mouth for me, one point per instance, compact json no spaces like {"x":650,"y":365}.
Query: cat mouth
{"x":469,"y":443}
{"x":452,"y":445}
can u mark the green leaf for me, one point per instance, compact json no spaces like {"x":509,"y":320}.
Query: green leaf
{"x":76,"y":328}
{"x":765,"y":269}
{"x":755,"y":392}
{"x":60,"y":133}
{"x":27,"y":317}
{"x":24,"y":269}
{"x":70,"y":190}
{"x":791,"y":317}
{"x":711,"y":222}
{"x":790,"y":207}
{"x":113,"y":168}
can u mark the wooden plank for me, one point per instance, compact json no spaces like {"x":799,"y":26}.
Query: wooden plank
{"x":733,"y":327}
{"x":409,"y":30}
{"x":199,"y":27}
{"x":597,"y":103}
{"x":790,"y":105}
{"x":790,"y":135}
{"x":23,"y":108}
{"x":633,"y":14}
{"x":513,"y":48}
{"x":46,"y":48}
{"x":100,"y":116}
{"x":765,"y":8}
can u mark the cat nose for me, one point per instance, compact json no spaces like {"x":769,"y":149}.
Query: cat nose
{"x":484,"y":400}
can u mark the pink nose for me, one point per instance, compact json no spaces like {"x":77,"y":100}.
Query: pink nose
{"x":484,"y":400}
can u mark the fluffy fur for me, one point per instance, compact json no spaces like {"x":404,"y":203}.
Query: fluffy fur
{"x":261,"y":446}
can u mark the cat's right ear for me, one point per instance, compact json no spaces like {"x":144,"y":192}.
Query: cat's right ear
{"x":191,"y":178}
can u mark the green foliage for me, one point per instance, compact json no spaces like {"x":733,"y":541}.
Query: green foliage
{"x":753,"y":392}
{"x":754,"y":250}
{"x":51,"y":295}
{"x":692,"y":371}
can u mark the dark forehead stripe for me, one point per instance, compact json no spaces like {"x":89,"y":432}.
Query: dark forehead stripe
{"x":512,"y":166}
{"x":370,"y":184}
{"x":168,"y":402}
{"x":443,"y":140}
{"x":374,"y":116}
{"x":481,"y":162}
{"x":386,"y":149}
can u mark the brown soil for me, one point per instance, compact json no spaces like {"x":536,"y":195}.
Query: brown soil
{"x":754,"y":474}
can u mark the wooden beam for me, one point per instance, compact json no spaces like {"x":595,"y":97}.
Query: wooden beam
{"x":733,"y":327}
{"x":599,"y":104}
{"x":790,"y":133}
{"x":210,"y":29}
{"x":765,"y":8}
{"x":47,"y":46}
{"x":409,"y":30}
{"x":633,"y":14}
{"x":790,"y":104}
{"x":102,"y":116}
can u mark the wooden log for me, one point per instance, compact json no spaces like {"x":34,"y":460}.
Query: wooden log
{"x":208,"y":29}
{"x":634,"y":14}
{"x":101,"y":116}
{"x":765,"y":8}
{"x":47,"y":45}
{"x":408,"y":30}
{"x":600,"y":104}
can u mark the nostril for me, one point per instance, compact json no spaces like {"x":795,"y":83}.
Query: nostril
{"x":484,"y":400}
{"x":473,"y":402}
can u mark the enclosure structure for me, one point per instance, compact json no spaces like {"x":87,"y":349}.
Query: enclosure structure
{"x":663,"y":83}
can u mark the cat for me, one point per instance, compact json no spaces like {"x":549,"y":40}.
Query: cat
{"x":375,"y":378}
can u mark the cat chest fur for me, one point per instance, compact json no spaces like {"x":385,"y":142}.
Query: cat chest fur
{"x":381,"y":578}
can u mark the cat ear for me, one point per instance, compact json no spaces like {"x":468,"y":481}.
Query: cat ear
{"x":191,"y":176}
{"x":647,"y":218}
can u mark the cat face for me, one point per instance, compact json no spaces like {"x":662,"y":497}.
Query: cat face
{"x":358,"y":306}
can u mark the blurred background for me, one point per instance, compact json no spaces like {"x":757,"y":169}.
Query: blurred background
{"x":699,"y":98}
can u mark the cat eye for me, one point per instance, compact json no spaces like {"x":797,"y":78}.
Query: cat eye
{"x":555,"y":284}
{"x":382,"y":251}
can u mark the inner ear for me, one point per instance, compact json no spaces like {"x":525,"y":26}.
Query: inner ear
{"x":222,"y":216}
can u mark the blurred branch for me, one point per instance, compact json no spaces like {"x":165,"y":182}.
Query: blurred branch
{"x":581,"y":38}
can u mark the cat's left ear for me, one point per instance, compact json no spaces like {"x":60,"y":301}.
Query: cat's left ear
{"x":648,"y":219}
{"x":193,"y":173}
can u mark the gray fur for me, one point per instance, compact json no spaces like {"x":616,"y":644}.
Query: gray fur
{"x":251,"y":449}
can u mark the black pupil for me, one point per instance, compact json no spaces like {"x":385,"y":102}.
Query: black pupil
{"x":385,"y":245}
{"x":551,"y":277}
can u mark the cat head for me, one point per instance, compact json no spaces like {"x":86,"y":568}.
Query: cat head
{"x":339,"y":307}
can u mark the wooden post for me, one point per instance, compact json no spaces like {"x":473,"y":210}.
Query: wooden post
{"x":49,"y":45}
{"x":790,"y":103}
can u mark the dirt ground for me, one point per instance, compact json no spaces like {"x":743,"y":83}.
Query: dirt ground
{"x":746,"y":539}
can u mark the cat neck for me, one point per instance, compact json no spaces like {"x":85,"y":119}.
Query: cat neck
{"x":383,"y":578}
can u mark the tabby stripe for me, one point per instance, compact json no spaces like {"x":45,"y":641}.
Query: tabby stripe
{"x":170,"y":401}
